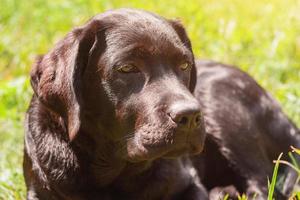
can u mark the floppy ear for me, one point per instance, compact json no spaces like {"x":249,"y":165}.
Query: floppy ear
{"x":178,"y":27}
{"x":56,"y":77}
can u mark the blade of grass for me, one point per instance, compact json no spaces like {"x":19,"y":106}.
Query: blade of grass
{"x":226,"y":197}
{"x":298,"y":195}
{"x":288,"y":164}
{"x":254,"y":196}
{"x":295,"y":150}
{"x":243,"y":197}
{"x":295,"y":163}
{"x":274,"y":177}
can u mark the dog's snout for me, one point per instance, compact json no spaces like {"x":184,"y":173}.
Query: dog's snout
{"x":186,"y":115}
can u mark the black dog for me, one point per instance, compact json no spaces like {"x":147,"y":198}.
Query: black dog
{"x":246,"y":131}
{"x":112,"y":112}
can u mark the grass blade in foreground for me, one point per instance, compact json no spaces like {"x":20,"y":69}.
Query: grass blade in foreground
{"x":274,"y":177}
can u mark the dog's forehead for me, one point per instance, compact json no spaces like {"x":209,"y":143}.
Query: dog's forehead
{"x":129,"y":26}
{"x":127,"y":16}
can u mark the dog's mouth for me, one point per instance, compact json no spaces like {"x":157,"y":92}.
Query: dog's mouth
{"x":169,"y":144}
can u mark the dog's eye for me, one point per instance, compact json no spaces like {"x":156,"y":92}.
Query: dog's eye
{"x":185,"y":66}
{"x":128,"y":69}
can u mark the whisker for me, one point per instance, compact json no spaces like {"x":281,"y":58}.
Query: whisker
{"x":128,"y":136}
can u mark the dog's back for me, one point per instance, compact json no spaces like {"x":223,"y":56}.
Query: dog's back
{"x":246,"y":129}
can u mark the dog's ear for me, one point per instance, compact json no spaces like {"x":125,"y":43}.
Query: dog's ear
{"x":56,"y":77}
{"x":178,"y":27}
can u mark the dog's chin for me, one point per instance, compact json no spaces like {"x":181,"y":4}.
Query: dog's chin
{"x":137,"y":151}
{"x":188,"y":149}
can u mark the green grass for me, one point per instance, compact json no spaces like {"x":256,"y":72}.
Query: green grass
{"x":260,"y":36}
{"x":272,"y":185}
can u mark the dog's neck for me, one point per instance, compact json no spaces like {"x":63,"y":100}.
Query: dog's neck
{"x":105,"y":161}
{"x":109,"y":170}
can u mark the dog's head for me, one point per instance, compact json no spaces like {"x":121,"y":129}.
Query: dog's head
{"x":126,"y":75}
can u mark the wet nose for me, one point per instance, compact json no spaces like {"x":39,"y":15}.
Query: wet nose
{"x":186,"y":115}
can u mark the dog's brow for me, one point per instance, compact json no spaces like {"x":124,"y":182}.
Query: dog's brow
{"x":134,"y":50}
{"x":141,"y":50}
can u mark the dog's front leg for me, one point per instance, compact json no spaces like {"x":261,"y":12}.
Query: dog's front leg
{"x":194,"y":192}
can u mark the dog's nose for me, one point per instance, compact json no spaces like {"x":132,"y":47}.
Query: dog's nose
{"x":186,"y":115}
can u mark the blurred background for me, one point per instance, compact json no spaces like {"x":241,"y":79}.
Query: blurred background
{"x":260,"y":36}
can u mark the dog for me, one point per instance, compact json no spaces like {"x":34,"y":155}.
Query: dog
{"x":246,"y":130}
{"x":112,"y":115}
